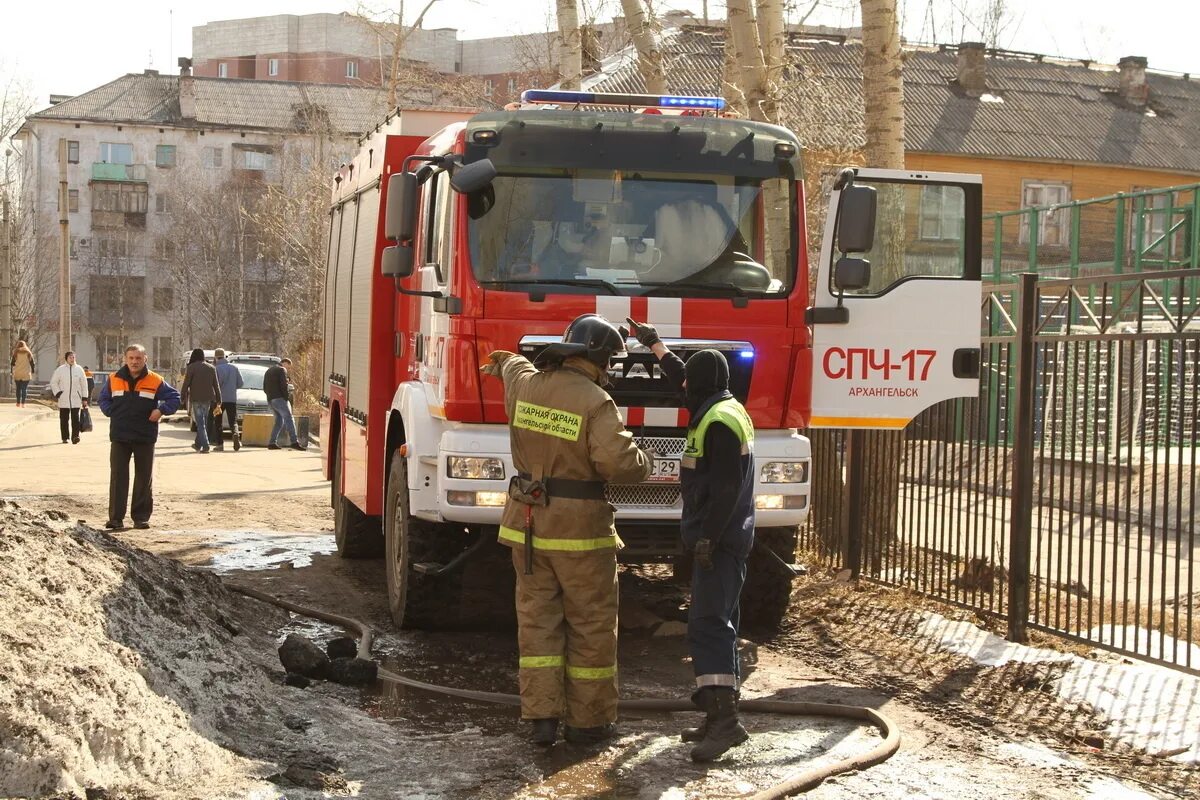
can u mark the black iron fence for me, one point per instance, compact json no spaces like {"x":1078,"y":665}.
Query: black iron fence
{"x":1063,"y":498}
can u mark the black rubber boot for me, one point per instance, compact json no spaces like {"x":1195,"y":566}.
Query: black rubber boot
{"x":722,"y":728}
{"x":545,"y":732}
{"x":594,"y":735}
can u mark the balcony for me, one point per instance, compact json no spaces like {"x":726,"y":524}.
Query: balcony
{"x":114,"y":319}
{"x":136,"y":173}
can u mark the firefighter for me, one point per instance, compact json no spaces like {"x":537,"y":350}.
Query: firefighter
{"x":717,"y":526}
{"x":568,"y":440}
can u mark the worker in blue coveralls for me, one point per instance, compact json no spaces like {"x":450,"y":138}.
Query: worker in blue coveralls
{"x":717,"y":526}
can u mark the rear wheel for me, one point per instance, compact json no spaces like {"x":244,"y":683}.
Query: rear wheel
{"x":357,"y":535}
{"x":768,"y":586}
{"x":417,"y":600}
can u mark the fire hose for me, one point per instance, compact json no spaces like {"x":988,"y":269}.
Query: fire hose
{"x":801,"y":782}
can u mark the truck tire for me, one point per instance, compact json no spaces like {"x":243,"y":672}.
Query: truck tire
{"x":357,"y":535}
{"x":768,"y":587}
{"x":416,"y":600}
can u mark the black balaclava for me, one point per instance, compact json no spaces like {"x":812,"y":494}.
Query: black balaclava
{"x":707,"y":375}
{"x":197,"y":355}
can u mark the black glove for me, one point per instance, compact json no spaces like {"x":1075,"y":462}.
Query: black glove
{"x":646,"y":334}
{"x":703,"y":553}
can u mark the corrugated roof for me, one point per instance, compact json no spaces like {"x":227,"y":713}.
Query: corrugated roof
{"x":1050,"y":111}
{"x":273,"y":105}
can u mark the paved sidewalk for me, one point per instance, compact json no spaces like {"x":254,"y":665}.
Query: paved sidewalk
{"x":13,"y":419}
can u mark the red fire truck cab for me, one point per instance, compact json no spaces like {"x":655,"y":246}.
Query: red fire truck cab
{"x":453,"y":234}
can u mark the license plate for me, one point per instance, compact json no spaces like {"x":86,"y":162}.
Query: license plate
{"x":664,"y":470}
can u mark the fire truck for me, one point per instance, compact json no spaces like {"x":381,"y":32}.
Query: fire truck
{"x":454,"y":233}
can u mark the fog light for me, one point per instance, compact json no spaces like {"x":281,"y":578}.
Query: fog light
{"x":785,"y":472}
{"x":481,"y":499}
{"x":778,"y":502}
{"x":476,"y":469}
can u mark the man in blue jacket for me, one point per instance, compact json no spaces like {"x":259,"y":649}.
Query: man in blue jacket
{"x":717,"y":526}
{"x":230,"y":378}
{"x":135,"y":399}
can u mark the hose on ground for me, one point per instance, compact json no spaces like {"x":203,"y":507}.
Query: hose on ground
{"x":800,"y":782}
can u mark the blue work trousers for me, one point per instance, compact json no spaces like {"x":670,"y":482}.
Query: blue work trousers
{"x":713,"y":618}
{"x":283,"y":420}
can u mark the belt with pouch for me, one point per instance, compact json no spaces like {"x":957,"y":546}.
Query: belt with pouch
{"x":570,"y":488}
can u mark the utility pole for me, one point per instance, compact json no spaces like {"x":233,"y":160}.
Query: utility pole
{"x":64,"y":254}
{"x":7,"y":335}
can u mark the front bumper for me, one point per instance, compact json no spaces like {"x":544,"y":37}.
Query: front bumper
{"x":634,"y":503}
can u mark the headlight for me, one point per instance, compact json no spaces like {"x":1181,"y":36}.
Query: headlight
{"x":778,"y":502}
{"x":477,"y":469}
{"x":785,"y":472}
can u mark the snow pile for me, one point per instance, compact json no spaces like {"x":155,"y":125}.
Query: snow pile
{"x":80,"y":633}
{"x":1152,"y":708}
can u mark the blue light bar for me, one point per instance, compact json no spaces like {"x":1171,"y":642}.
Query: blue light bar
{"x":746,"y":354}
{"x":562,"y":97}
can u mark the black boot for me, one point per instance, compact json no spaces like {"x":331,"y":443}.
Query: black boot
{"x":696,"y":734}
{"x":545,"y":732}
{"x":722,"y":728}
{"x":589,"y":735}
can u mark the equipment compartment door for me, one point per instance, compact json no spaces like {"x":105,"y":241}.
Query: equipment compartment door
{"x":908,"y":335}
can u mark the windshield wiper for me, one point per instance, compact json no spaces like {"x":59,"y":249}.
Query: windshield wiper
{"x":595,"y":282}
{"x":738,"y":290}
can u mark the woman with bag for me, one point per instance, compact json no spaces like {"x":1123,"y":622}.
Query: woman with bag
{"x":22,"y":371}
{"x":69,"y":386}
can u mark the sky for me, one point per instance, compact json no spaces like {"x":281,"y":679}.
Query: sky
{"x":69,"y":47}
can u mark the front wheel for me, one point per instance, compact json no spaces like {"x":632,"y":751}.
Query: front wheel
{"x":768,"y":587}
{"x":417,"y":600}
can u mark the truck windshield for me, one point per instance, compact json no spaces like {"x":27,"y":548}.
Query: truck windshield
{"x":588,"y":231}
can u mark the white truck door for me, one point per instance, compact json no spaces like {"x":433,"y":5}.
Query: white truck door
{"x":895,"y":323}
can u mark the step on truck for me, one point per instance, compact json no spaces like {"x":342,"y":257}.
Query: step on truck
{"x":455,"y":233}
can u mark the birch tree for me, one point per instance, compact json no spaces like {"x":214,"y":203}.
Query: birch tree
{"x":570,"y":44}
{"x":883,"y":84}
{"x":643,"y":28}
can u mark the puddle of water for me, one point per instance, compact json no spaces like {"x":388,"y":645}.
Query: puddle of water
{"x":249,"y":551}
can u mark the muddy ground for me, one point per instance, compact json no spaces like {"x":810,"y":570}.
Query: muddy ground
{"x":969,"y":732}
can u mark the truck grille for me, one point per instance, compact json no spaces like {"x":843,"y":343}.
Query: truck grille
{"x":663,"y":495}
{"x":663,"y":445}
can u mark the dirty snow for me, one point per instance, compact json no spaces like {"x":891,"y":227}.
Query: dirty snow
{"x":1148,"y":707}
{"x":1152,"y":644}
{"x":257,"y":550}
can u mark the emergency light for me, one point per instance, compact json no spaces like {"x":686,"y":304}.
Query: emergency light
{"x":564,"y":97}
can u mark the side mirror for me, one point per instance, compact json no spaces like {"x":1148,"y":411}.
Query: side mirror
{"x":400,"y":220}
{"x":851,"y":274}
{"x":856,"y":219}
{"x":397,"y":261}
{"x":473,"y":177}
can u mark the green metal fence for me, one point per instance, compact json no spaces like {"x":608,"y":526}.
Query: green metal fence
{"x":1155,"y":229}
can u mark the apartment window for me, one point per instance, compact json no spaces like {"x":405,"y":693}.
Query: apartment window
{"x":253,"y":159}
{"x":213,"y":157}
{"x":272,"y":66}
{"x":108,"y":292}
{"x":164,"y":351}
{"x":164,"y":250}
{"x":351,"y":69}
{"x":254,"y":298}
{"x":72,"y":152}
{"x":162,"y":203}
{"x":131,"y":198}
{"x":1052,"y":225}
{"x":512,"y":86}
{"x":488,"y":88}
{"x":941,"y":212}
{"x":222,"y":70}
{"x":164,"y":298}
{"x":164,"y":156}
{"x":73,"y":200}
{"x":116,"y":153}
{"x":114,"y":247}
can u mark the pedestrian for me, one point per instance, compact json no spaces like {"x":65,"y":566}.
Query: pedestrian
{"x":568,"y":441}
{"x":91,"y":380}
{"x":275,"y":385}
{"x":23,"y":368}
{"x":69,"y":387}
{"x":200,"y":392}
{"x":135,"y":399}
{"x":717,"y":526}
{"x":230,"y":378}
